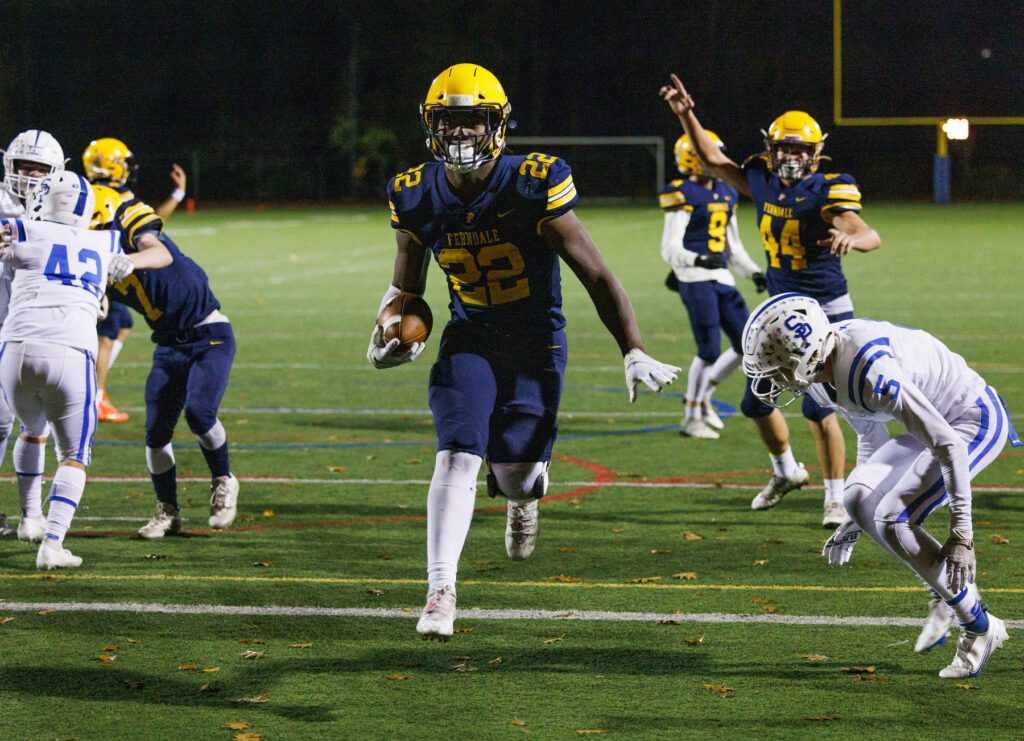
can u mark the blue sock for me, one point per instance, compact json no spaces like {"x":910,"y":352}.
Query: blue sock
{"x":980,"y":622}
{"x":217,"y":460}
{"x":166,"y":486}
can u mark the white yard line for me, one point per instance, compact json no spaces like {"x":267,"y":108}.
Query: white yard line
{"x":471,"y":614}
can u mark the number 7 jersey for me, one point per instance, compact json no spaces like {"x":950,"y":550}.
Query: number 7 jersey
{"x":60,"y":273}
{"x":500,"y":270}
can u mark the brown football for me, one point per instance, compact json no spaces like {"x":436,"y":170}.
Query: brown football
{"x":407,"y":317}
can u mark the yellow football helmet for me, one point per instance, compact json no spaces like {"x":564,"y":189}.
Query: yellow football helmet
{"x":109,"y":160}
{"x":107,"y":201}
{"x":460,"y":100}
{"x":686,"y":158}
{"x":794,"y":142}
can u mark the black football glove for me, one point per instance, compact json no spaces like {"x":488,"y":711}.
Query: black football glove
{"x":760,"y":282}
{"x":672,"y":282}
{"x":710,"y":262}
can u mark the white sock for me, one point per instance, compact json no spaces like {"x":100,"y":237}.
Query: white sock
{"x":784,"y":465}
{"x":834,"y":490}
{"x":29,"y":461}
{"x":726,"y":363}
{"x":694,"y":382}
{"x":115,"y":350}
{"x":449,"y":512}
{"x":65,"y":494}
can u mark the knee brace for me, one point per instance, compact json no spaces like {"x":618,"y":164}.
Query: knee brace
{"x":160,"y":460}
{"x":214,"y":437}
{"x":456,"y":468}
{"x":518,"y":481}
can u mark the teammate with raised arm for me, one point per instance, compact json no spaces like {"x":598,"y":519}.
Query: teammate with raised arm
{"x":808,"y":221}
{"x":48,"y":341}
{"x":700,"y":240}
{"x":496,"y":224}
{"x":956,"y":425}
{"x":30,"y":157}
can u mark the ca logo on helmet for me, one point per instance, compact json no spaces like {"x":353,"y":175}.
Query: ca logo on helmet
{"x":802,"y":330}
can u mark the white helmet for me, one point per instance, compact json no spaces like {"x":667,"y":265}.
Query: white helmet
{"x":64,"y":197}
{"x":30,"y":146}
{"x":785,"y":344}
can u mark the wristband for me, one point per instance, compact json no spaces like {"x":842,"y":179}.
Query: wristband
{"x":178,"y":195}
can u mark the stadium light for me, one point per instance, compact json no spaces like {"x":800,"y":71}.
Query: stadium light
{"x":956,"y":129}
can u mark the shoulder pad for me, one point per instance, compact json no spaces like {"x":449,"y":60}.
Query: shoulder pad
{"x":841,"y":192}
{"x":548,"y":179}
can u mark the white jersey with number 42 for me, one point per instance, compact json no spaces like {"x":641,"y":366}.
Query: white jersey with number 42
{"x":60,"y":274}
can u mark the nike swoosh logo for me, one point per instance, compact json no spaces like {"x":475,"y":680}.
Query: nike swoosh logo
{"x":216,"y":342}
{"x":503,"y":214}
{"x":801,"y":198}
{"x":553,"y":347}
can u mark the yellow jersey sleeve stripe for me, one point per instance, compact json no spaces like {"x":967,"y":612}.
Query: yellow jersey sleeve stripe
{"x":845,"y":205}
{"x":132,"y":212}
{"x":671,"y":199}
{"x":559,"y":190}
{"x":563,"y":200}
{"x":843,"y":190}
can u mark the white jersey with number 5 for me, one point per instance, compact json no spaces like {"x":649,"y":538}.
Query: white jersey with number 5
{"x":60,"y":273}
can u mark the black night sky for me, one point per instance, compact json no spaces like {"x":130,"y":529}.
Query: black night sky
{"x":281,"y":100}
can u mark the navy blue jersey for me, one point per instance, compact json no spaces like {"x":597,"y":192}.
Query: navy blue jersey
{"x":499,"y":269}
{"x":709,"y":209}
{"x":172,"y":299}
{"x":792,"y":220}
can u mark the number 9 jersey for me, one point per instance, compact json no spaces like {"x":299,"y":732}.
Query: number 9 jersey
{"x":792,"y":220}
{"x":500,"y":271}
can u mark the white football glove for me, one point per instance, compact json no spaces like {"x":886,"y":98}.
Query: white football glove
{"x":642,"y":367}
{"x":390,"y":354}
{"x":839,"y":547}
{"x":120,"y":267}
{"x":958,"y":550}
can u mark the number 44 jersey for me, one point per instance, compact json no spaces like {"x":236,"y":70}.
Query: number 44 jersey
{"x":500,"y":270}
{"x":60,"y":273}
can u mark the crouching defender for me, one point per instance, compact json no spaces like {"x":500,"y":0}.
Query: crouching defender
{"x":497,"y":225}
{"x":48,"y":350}
{"x":874,"y":372}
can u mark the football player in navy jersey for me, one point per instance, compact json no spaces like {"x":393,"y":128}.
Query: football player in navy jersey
{"x":496,"y":224}
{"x":109,"y":162}
{"x":195,"y":347}
{"x":700,"y":239}
{"x":808,"y":221}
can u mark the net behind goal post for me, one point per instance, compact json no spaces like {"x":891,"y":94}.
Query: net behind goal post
{"x":605,"y":168}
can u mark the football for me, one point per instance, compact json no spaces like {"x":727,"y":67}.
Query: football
{"x":407,"y":317}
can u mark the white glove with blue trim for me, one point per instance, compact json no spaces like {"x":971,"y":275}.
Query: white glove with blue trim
{"x":120,"y":267}
{"x":839,"y":547}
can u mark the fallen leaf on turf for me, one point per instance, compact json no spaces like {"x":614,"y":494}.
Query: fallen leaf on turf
{"x":413,"y":609}
{"x":413,"y":461}
{"x":246,"y":641}
{"x":517,"y":722}
{"x":659,"y":551}
{"x":769,"y":609}
{"x":566,"y":614}
{"x":464,"y":667}
{"x":575,"y":501}
{"x":252,"y":655}
{"x":105,"y":658}
{"x":687,"y":575}
{"x":187,"y":667}
{"x":263,"y":564}
{"x":375,"y":592}
{"x":761,"y":562}
{"x":110,"y":648}
{"x":1000,"y":539}
{"x":823,"y":717}
{"x":268,"y":513}
{"x":300,"y":645}
{"x":157,"y":557}
{"x":566,"y":549}
{"x":337,"y":469}
{"x":495,"y":661}
{"x":590,"y":731}
{"x":760,"y":601}
{"x":645,"y":579}
{"x":134,"y":684}
{"x":238,"y":725}
{"x":463,"y":630}
{"x":965,"y":686}
{"x":384,"y":557}
{"x":721,"y":690}
{"x":210,"y":670}
{"x":258,"y":700}
{"x":668,"y":622}
{"x":370,"y":457}
{"x":690,"y":535}
{"x":207,"y":687}
{"x":45,"y":612}
{"x":565,"y":579}
{"x":247,"y":737}
{"x":815,"y":657}
{"x":618,"y":530}
{"x":398,"y":677}
{"x":869,"y":678}
{"x":859,"y":669}
{"x":549,"y":641}
{"x":694,"y":641}
{"x":133,"y":494}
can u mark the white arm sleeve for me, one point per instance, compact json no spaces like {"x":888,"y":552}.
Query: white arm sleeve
{"x":738,"y":257}
{"x":388,"y":295}
{"x":871,"y":435}
{"x":672,"y":250}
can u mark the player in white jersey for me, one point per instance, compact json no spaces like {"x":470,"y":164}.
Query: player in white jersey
{"x":48,"y":341}
{"x":31,"y":156}
{"x":877,"y":372}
